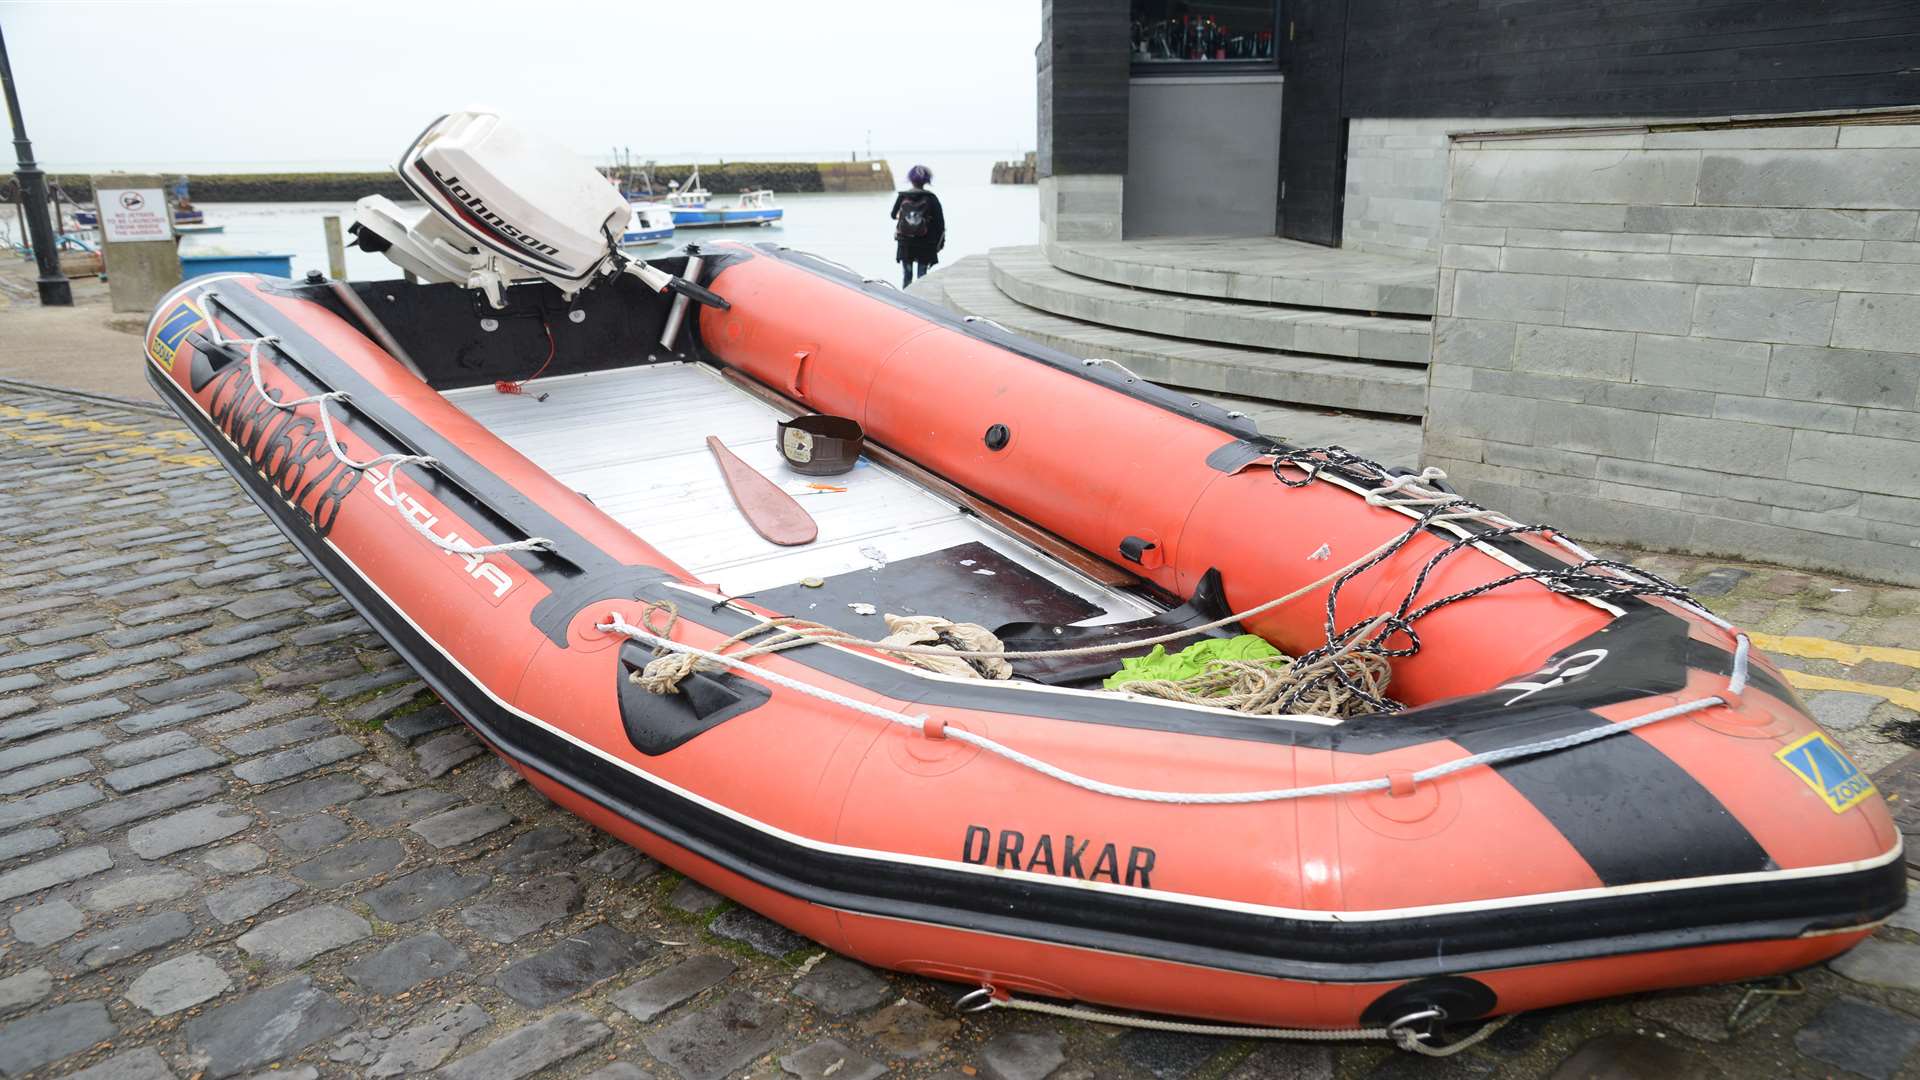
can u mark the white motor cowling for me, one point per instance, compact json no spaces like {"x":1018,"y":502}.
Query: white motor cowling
{"x":504,"y":205}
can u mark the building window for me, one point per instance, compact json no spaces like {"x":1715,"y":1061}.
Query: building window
{"x":1231,"y":33}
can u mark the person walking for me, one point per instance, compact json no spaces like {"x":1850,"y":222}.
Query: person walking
{"x":919,"y":227}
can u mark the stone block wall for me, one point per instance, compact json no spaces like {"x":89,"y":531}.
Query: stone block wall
{"x":1397,"y":181}
{"x":1701,"y":338}
{"x":1087,"y":207}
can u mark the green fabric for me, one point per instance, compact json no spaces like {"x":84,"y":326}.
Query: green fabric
{"x":1190,"y":661}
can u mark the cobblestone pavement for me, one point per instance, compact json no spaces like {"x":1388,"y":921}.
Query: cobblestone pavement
{"x":237,"y":836}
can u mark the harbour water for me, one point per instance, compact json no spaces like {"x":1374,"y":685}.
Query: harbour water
{"x":849,"y":228}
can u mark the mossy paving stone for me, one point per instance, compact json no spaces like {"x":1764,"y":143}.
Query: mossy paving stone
{"x":511,"y":913}
{"x":422,"y":892}
{"x":407,"y":963}
{"x":908,"y":1030}
{"x":543,"y":849}
{"x":129,"y":939}
{"x":578,"y":961}
{"x":51,"y":1034}
{"x":665,"y":989}
{"x":714,"y":1042}
{"x":402,"y":806}
{"x":304,"y":797}
{"x":264,"y":1026}
{"x":529,"y":1049}
{"x":359,"y":861}
{"x":249,"y":897}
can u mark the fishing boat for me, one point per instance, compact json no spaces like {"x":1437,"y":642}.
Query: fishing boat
{"x":1504,"y":773}
{"x":650,"y":223}
{"x":692,"y":208}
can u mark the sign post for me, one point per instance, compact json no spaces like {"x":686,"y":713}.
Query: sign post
{"x":130,"y":215}
{"x":136,"y":233}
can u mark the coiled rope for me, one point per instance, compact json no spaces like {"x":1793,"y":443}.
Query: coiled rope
{"x":319,"y":401}
{"x":1278,"y":686}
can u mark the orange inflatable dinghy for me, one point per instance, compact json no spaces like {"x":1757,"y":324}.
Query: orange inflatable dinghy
{"x":1575,"y":782}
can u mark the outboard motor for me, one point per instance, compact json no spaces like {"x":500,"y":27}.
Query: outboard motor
{"x":502,"y":205}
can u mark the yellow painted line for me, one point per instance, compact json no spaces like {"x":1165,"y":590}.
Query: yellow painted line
{"x":128,"y":439}
{"x":1814,"y":648}
{"x":14,"y":412}
{"x":1907,"y":698}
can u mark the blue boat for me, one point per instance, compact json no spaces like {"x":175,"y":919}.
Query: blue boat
{"x":651,"y":223}
{"x":691,"y":209}
{"x":201,"y":263}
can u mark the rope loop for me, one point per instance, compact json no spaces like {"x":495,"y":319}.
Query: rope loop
{"x":392,"y":460}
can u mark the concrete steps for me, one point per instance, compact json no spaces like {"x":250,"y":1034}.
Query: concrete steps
{"x":1395,"y":441}
{"x":1279,"y":377}
{"x":1262,"y":269}
{"x":1025,"y":275}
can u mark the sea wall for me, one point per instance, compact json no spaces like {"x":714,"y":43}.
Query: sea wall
{"x":721,"y":178}
{"x":783,"y":176}
{"x":269,"y":187}
{"x":1701,"y":338}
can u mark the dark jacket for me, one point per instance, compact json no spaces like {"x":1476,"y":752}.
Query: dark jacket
{"x":920,"y":249}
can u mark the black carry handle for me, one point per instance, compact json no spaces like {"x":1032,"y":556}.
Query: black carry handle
{"x":699,"y":294}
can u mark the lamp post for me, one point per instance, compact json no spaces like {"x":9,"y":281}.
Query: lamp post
{"x":55,"y":290}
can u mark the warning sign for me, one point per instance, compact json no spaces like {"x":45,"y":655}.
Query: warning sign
{"x":132,"y":214}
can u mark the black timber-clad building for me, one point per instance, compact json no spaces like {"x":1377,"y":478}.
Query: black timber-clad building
{"x":1242,"y":117}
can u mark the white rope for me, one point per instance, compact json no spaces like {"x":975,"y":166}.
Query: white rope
{"x":617,"y":624}
{"x":1400,"y":1031}
{"x":1093,"y":361}
{"x":1185,"y":1028}
{"x":326,"y":418}
{"x":393,"y":461}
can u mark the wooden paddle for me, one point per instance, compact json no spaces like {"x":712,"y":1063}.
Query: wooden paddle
{"x":772,"y":512}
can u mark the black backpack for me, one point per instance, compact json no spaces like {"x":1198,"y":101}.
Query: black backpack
{"x":916,"y":218}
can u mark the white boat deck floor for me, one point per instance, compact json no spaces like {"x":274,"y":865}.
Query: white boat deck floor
{"x":634,"y":442}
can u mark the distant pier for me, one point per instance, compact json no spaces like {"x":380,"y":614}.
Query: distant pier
{"x":724,"y":178}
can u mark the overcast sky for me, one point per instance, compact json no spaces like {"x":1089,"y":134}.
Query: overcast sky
{"x":118,"y":82}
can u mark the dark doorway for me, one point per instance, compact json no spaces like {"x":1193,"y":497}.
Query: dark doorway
{"x":1313,"y":130}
